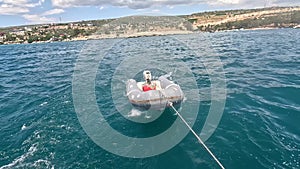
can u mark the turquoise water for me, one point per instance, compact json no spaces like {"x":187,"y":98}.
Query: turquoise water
{"x":259,"y":127}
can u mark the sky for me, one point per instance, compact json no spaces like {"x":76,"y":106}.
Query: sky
{"x":24,"y":12}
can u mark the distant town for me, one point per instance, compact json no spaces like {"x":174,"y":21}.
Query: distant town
{"x":136,"y":26}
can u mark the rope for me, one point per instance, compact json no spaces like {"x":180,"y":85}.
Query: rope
{"x":199,"y":139}
{"x":195,"y":134}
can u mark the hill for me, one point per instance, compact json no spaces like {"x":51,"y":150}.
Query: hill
{"x":276,"y":17}
{"x":135,"y":26}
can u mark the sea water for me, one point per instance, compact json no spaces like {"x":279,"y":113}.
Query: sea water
{"x":259,"y":128}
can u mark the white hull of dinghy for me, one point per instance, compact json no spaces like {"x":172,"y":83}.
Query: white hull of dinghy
{"x":166,"y":91}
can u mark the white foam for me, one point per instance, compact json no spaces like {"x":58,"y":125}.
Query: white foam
{"x":147,"y":117}
{"x":134,"y":113}
{"x":38,"y":163}
{"x":23,"y":127}
{"x":21,"y":159}
{"x":44,"y":103}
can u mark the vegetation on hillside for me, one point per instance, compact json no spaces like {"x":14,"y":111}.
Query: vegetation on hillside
{"x":282,"y":20}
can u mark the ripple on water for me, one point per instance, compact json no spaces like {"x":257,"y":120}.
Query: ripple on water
{"x":259,"y":128}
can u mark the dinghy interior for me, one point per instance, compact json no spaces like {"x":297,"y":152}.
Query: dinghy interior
{"x":153,"y":94}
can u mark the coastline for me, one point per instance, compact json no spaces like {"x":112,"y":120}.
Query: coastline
{"x":146,"y":26}
{"x":114,"y":36}
{"x":148,"y":34}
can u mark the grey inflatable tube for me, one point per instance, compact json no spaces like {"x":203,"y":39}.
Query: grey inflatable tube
{"x":154,"y":99}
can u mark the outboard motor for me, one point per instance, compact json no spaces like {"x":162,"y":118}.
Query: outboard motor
{"x":147,"y":76}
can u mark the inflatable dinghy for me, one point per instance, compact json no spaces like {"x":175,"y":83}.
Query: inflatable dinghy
{"x":165,"y":92}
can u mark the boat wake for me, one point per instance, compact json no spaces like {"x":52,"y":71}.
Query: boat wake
{"x":135,"y":113}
